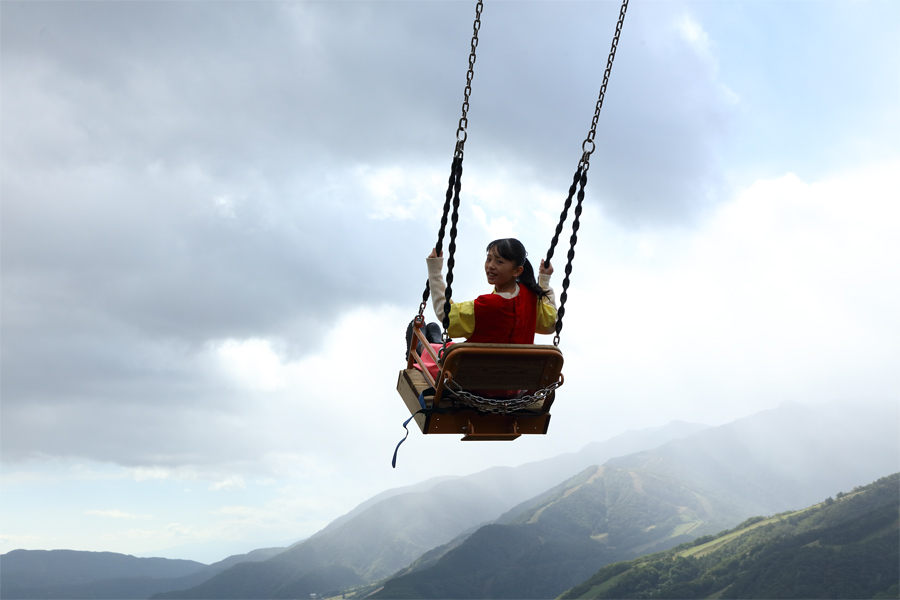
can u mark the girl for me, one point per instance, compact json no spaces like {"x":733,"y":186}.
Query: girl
{"x":518,"y":308}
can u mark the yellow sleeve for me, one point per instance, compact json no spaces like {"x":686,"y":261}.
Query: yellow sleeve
{"x":462,"y":319}
{"x":546,"y":317}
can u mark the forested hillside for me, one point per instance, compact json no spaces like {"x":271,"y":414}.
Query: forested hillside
{"x":845,"y":547}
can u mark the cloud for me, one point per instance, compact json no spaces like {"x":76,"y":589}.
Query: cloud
{"x":214,"y":219}
{"x":162,"y":196}
{"x":115,"y":514}
{"x":784,"y":293}
{"x":230,"y":483}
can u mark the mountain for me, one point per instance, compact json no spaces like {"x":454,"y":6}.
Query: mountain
{"x":385,"y":534}
{"x":47,"y":567}
{"x":652,"y":500}
{"x":537,"y":530}
{"x":75,"y":574}
{"x":600,"y":516}
{"x":843,"y":548}
{"x":787,"y":457}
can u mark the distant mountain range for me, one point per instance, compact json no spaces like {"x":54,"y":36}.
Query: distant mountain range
{"x":537,"y":530}
{"x":74,"y":574}
{"x":787,"y":458}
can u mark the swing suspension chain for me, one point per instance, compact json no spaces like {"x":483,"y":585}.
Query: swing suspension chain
{"x":576,"y":223}
{"x":452,"y":187}
{"x":451,"y":261}
{"x":563,"y":216}
{"x":454,"y":183}
{"x":588,"y":145}
{"x":461,"y":134}
{"x":456,"y":174}
{"x":579,"y":181}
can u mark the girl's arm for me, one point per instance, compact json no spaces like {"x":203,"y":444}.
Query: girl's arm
{"x":462,"y":314}
{"x":546,"y":309}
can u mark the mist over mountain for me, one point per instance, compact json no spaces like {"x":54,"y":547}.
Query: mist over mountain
{"x":784,"y":458}
{"x":385,"y":534}
{"x":532,"y":531}
{"x":788,"y":457}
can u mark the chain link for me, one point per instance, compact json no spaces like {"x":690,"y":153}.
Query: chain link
{"x":501,"y":406}
{"x":588,"y":146}
{"x":461,"y":134}
{"x":580,"y":179}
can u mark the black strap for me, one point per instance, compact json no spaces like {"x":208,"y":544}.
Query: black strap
{"x":579,"y":180}
{"x":452,"y":190}
{"x":405,"y":423}
{"x":451,"y":249}
{"x":422,"y":410}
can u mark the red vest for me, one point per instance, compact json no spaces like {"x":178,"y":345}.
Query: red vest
{"x":498,"y":321}
{"x":505,"y":321}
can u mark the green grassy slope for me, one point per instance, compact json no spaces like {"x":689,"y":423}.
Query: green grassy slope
{"x":847,"y":547}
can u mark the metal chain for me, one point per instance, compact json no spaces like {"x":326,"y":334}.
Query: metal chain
{"x":501,"y":406}
{"x":580,"y":179}
{"x":464,"y":119}
{"x":588,"y":146}
{"x":455,"y":181}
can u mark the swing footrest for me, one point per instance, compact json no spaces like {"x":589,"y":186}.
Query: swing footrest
{"x":482,"y":434}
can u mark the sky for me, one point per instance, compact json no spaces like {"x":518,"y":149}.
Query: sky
{"x":215,"y":217}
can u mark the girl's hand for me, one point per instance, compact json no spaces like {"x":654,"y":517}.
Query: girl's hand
{"x":545,"y":270}
{"x":434,"y":254}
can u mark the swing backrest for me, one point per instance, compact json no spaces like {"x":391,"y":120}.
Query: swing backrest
{"x":502,"y":366}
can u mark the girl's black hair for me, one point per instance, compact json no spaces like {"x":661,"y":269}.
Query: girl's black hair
{"x":513,"y":250}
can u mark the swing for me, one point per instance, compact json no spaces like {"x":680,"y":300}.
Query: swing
{"x":491,"y":392}
{"x":484,"y":391}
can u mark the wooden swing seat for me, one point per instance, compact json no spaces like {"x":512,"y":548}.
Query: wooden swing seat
{"x":484,"y":370}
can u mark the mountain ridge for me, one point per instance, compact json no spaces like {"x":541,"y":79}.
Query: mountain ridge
{"x":564,"y":517}
{"x":844,"y":548}
{"x":654,"y":499}
{"x":115,"y":584}
{"x":28,"y":574}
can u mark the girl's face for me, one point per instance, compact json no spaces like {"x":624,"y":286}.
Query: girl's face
{"x":501,"y":272}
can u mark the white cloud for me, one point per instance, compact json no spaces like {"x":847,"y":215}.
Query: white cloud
{"x":115,"y":514}
{"x":235,"y":482}
{"x":693,"y":33}
{"x":252,"y":363}
{"x":400,"y":193}
{"x":784,"y":294}
{"x":239,"y":511}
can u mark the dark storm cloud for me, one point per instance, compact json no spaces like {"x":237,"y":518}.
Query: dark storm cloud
{"x":177,"y":174}
{"x":665,"y":117}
